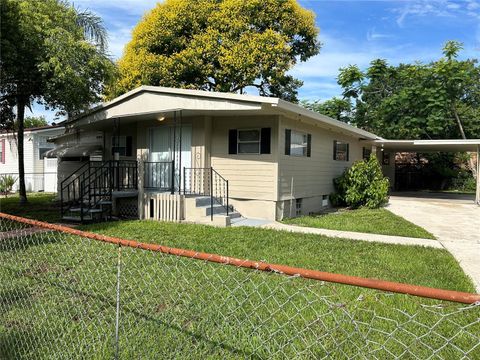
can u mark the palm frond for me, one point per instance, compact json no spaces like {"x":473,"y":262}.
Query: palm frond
{"x":93,"y":28}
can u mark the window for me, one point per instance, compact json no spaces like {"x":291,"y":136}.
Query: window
{"x":298,"y":207}
{"x":297,"y":143}
{"x":366,"y":153}
{"x":249,"y":141}
{"x":122,"y":145}
{"x":340,"y":151}
{"x":324,"y":200}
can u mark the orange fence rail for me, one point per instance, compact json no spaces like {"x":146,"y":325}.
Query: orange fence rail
{"x":395,"y":287}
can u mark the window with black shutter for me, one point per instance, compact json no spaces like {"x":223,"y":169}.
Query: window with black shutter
{"x":249,"y":141}
{"x":298,"y":143}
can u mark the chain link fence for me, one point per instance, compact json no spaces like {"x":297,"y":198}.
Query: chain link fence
{"x":67,"y":296}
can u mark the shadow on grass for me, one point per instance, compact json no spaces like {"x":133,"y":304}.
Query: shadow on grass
{"x":18,"y":241}
{"x":11,"y":343}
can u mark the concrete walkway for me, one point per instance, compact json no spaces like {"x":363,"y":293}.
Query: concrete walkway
{"x":355,"y":235}
{"x":454,"y":220}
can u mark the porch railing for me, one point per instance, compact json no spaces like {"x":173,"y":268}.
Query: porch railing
{"x":159,"y":175}
{"x":207,"y":182}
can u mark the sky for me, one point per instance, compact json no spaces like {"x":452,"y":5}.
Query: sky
{"x":351,"y":32}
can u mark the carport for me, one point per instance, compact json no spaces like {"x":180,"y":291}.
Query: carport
{"x":381,"y":146}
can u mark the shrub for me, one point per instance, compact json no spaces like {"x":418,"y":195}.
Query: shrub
{"x":363,"y":185}
{"x":6,"y":183}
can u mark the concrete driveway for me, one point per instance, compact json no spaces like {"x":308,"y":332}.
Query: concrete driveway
{"x":453,"y":219}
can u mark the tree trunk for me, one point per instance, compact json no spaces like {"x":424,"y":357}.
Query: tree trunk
{"x":471,"y":163}
{"x":21,"y":103}
{"x":459,"y":122}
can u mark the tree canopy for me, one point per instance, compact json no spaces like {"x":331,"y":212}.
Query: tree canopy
{"x":336,"y":108}
{"x":35,"y":121}
{"x":227,"y":45}
{"x":52,"y":54}
{"x":419,"y":101}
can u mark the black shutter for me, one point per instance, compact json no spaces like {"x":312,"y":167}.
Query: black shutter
{"x":348,"y":151}
{"x":288,"y":137}
{"x":265,"y":135}
{"x":309,"y":145}
{"x":232,"y":141}
{"x":334,"y":149}
{"x":129,"y":146}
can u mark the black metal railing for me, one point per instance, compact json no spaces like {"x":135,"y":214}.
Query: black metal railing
{"x":207,"y":182}
{"x":159,"y":175}
{"x":94,"y":181}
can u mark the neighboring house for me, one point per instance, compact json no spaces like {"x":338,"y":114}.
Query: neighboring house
{"x":168,"y":154}
{"x":40,"y":173}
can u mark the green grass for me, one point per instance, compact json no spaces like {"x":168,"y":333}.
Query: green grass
{"x":413,"y":264}
{"x":58,"y":292}
{"x":41,"y":206}
{"x":373,"y":221}
{"x":57,"y":296}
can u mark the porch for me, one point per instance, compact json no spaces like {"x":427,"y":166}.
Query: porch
{"x":101,"y":190}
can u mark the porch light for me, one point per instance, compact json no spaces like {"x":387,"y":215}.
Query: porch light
{"x":161,"y":118}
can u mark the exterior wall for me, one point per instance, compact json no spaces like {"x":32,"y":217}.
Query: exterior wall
{"x":34,"y":166}
{"x":250,"y":176}
{"x":309,"y":178}
{"x":388,"y":169}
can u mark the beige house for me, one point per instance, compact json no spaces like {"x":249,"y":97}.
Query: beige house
{"x":192,"y":155}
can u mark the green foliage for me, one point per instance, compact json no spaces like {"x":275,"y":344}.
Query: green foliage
{"x":336,"y":108}
{"x":35,"y":121}
{"x":6,"y":183}
{"x":419,"y":101}
{"x":219,"y":45}
{"x":464,"y":182}
{"x":362,"y":185}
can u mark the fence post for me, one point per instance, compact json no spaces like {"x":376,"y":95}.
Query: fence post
{"x":117,"y":314}
{"x":184,"y":179}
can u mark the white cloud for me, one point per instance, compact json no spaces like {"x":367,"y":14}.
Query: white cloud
{"x":436,"y":8}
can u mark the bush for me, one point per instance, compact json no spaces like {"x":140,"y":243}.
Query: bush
{"x":6,"y":183}
{"x":363,"y":185}
{"x":464,"y":181}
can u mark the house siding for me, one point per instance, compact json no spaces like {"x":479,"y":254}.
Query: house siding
{"x":310,"y":178}
{"x":251,"y":176}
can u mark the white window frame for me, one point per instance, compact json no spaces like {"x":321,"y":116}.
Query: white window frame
{"x":339,"y":142}
{"x":249,"y":141}
{"x":304,"y":146}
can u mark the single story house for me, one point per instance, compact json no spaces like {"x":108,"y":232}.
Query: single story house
{"x":40,"y":172}
{"x":177,"y":154}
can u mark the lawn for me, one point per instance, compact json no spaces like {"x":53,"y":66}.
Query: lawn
{"x":41,"y":206}
{"x":373,"y":221}
{"x":57,"y":295}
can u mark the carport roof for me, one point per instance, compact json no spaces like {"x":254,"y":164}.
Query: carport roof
{"x":452,"y":145}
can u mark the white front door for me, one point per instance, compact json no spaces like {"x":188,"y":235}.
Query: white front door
{"x":164,"y":145}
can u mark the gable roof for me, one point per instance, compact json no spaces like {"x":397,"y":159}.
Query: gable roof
{"x":255,"y":101}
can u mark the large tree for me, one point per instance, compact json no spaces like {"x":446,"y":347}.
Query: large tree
{"x":337,"y":108}
{"x":53,"y":54}
{"x":439,"y":100}
{"x":226,"y":45}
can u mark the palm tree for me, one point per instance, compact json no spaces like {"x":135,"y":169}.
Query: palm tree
{"x":19,"y":84}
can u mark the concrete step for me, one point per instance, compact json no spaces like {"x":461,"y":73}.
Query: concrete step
{"x":87,"y":210}
{"x":76,"y":218}
{"x":216,"y":209}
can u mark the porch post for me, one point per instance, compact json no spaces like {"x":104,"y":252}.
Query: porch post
{"x":141,"y":157}
{"x":477,"y":194}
